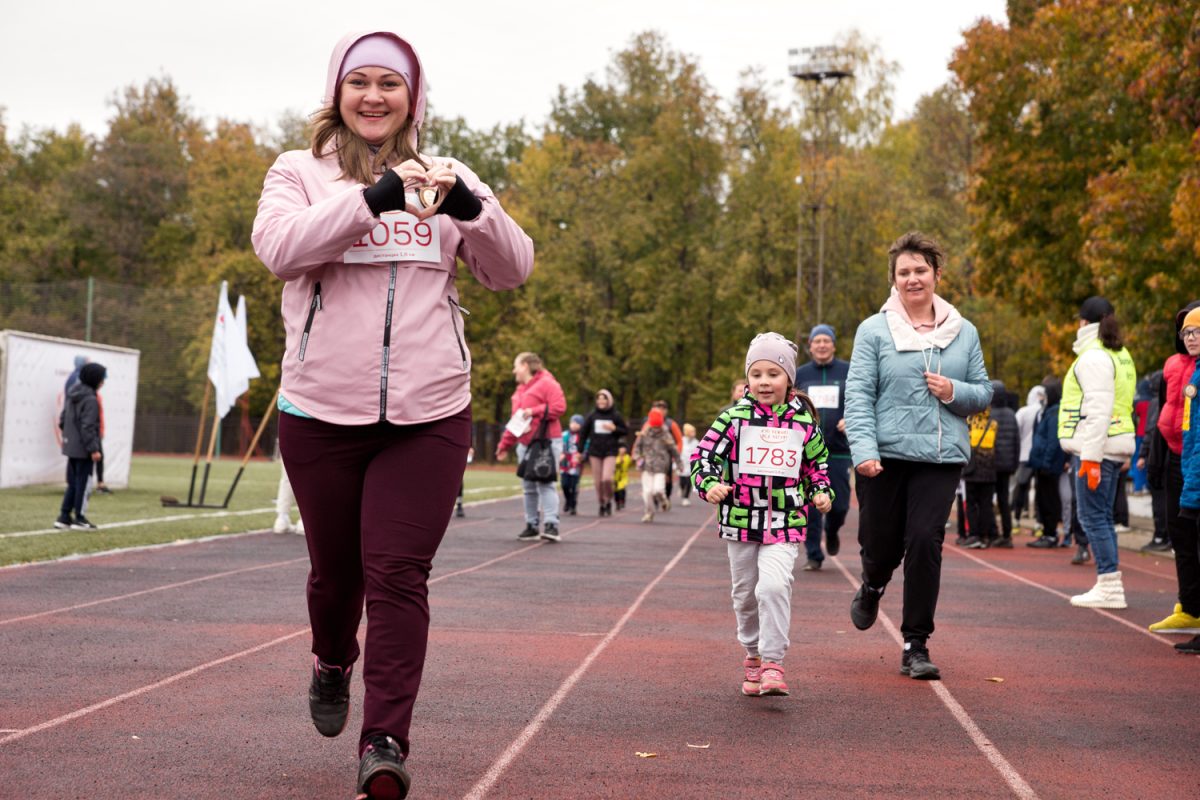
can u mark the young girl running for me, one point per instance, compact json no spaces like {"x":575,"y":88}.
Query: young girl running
{"x":770,"y":443}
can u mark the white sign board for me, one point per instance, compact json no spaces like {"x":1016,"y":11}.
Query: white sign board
{"x":33,"y":372}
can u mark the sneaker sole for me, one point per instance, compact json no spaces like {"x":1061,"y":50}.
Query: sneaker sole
{"x":773,"y":691}
{"x":385,"y":786}
{"x":930,"y":675}
{"x":1107,"y":604}
{"x":751,"y":689}
{"x":551,"y":538}
{"x":1187,"y":631}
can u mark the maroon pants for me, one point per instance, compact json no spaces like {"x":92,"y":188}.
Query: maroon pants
{"x":375,"y":500}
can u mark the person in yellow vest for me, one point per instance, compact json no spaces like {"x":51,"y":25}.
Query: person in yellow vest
{"x":1095,"y":425}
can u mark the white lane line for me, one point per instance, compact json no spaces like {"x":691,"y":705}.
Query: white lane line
{"x":83,"y":712}
{"x":151,"y":590}
{"x":1131,"y":625}
{"x":506,"y":556}
{"x":501,"y":764}
{"x":129,"y":523}
{"x":985,"y":746}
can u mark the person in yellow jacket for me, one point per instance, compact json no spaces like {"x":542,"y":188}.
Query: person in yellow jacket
{"x":1095,"y":425}
{"x":621,"y":476}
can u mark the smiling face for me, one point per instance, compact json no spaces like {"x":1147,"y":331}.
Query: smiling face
{"x":602,"y":402}
{"x":822,"y":348}
{"x":374,"y":103}
{"x":768,"y":382}
{"x":915,"y":280}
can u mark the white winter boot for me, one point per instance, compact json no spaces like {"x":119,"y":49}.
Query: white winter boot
{"x":1107,"y":593}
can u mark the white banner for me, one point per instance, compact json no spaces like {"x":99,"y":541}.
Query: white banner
{"x":33,"y":372}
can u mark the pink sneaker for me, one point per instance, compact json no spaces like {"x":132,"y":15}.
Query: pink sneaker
{"x":752,"y":682}
{"x":772,"y":679}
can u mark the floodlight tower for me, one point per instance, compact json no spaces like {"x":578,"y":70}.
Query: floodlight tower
{"x":823,"y":68}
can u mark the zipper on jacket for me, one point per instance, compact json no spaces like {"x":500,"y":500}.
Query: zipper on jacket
{"x":387,"y":345}
{"x":313,"y":308}
{"x":454,"y":309}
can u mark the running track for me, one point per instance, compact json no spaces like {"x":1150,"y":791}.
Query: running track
{"x":181,"y":673}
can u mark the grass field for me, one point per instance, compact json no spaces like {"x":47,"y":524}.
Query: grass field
{"x":135,"y":516}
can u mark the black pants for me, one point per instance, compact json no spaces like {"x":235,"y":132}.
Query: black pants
{"x":1002,"y":502}
{"x":1020,"y":497}
{"x":1183,"y":539}
{"x":980,"y":521}
{"x":902,"y":519}
{"x":1121,"y":501}
{"x":1049,"y":504}
{"x":1158,"y":508}
{"x":79,"y":470}
{"x":831,"y":523}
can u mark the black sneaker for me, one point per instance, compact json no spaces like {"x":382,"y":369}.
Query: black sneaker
{"x":864,"y":608}
{"x":1157,"y":546}
{"x":82,"y":523}
{"x":571,"y":511}
{"x":550,"y":533}
{"x":975,"y":543}
{"x":1045,"y":542}
{"x":832,"y":543}
{"x":1190,"y":647}
{"x":458,"y":511}
{"x":1003,"y":542}
{"x":63,"y":522}
{"x":530,"y":532}
{"x":381,"y":772}
{"x":329,"y":697}
{"x":915,"y":663}
{"x":1082,"y":556}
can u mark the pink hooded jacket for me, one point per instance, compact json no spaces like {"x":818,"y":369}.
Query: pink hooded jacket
{"x":383,"y":341}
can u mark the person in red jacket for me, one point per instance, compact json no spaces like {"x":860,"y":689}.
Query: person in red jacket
{"x":538,"y":396}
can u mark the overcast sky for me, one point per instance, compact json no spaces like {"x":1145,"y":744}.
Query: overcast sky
{"x":489,"y":62}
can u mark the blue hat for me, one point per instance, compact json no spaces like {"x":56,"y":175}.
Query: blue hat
{"x":577,"y":419}
{"x":822,"y":330}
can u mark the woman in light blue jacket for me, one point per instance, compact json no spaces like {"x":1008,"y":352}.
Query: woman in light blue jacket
{"x":916,"y":374}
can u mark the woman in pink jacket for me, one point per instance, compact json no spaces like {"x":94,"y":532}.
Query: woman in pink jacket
{"x":366,"y":233}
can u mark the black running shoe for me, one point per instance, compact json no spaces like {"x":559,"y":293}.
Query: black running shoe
{"x":832,"y":542}
{"x":550,"y":533}
{"x":1191,"y":647}
{"x":329,"y":697}
{"x":1044,"y":543}
{"x":865,"y":607}
{"x":381,"y":772}
{"x":82,"y":523}
{"x":63,"y":522}
{"x":915,"y":663}
{"x":530,"y":532}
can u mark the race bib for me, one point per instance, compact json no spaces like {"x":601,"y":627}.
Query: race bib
{"x":774,"y":452}
{"x":399,"y":236}
{"x":824,"y":396}
{"x":604,"y":426}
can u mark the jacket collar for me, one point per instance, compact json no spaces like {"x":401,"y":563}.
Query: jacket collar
{"x":1086,"y":335}
{"x":947,"y":324}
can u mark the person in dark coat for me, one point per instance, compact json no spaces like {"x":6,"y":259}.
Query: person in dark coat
{"x":1048,"y":461}
{"x":1008,"y":458}
{"x":80,"y":423}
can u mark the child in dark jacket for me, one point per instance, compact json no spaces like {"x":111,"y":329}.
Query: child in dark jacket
{"x":80,"y":424}
{"x":979,"y":474}
{"x":770,"y":442}
{"x":1047,"y":460}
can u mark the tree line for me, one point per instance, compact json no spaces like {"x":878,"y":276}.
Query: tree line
{"x":1061,"y":160}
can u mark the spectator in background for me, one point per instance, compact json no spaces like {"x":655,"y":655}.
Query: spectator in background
{"x":823,"y":379}
{"x":979,"y":475}
{"x":622,"y":464}
{"x":570,"y":465}
{"x":1178,"y":374}
{"x":80,"y":423}
{"x":80,"y":360}
{"x":689,"y":446}
{"x":1095,"y":425}
{"x":1141,"y":412}
{"x":1008,"y":457}
{"x":1048,"y":463}
{"x":538,"y":396}
{"x":1154,"y":461}
{"x":676,"y":436}
{"x":655,"y":453}
{"x":1027,"y":417}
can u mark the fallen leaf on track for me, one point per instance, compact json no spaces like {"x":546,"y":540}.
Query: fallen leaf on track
{"x":699,"y":746}
{"x":996,"y":680}
{"x":646,"y":755}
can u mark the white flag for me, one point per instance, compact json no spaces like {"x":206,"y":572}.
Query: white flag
{"x":229,"y":360}
{"x":249,"y":367}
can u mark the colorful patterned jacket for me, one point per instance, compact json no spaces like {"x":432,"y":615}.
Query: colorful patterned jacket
{"x":742,"y":515}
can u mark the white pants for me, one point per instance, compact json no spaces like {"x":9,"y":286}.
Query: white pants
{"x":652,"y":483}
{"x":762,"y":595}
{"x":284,"y":498}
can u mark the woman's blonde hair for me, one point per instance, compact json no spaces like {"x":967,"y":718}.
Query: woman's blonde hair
{"x":353,"y":154}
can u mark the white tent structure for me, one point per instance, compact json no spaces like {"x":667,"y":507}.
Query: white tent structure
{"x":33,"y":373}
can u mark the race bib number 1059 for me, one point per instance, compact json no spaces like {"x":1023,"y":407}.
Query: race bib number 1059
{"x":399,"y":236}
{"x":770,"y":451}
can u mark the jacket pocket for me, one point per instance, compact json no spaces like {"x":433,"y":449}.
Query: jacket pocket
{"x":313,"y":308}
{"x":455,"y":310}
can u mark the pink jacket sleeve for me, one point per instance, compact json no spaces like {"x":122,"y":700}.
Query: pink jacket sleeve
{"x":292,"y":236}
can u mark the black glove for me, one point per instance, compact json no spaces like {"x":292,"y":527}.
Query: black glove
{"x":460,"y":203}
{"x":386,"y":195}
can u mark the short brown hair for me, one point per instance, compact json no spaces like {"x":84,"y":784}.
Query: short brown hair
{"x":919,"y":244}
{"x":531,"y":360}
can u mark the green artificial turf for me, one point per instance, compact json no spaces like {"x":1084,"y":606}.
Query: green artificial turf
{"x":34,"y":508}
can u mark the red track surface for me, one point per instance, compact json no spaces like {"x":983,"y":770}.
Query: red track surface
{"x":551,"y":666}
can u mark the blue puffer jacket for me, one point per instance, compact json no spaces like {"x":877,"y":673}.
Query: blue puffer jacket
{"x":1045,"y":455}
{"x":890,"y":412}
{"x":1190,"y":459}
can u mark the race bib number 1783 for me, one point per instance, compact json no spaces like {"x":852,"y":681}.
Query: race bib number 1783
{"x":774,"y":452}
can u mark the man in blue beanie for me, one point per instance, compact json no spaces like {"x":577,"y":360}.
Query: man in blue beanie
{"x":824,"y":380}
